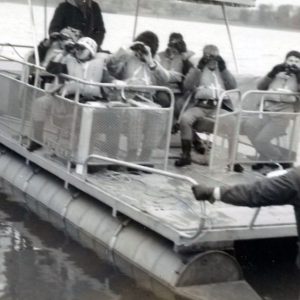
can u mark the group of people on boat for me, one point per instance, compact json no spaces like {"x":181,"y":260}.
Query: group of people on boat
{"x":74,"y":48}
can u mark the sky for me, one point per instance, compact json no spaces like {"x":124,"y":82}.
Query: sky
{"x":278,"y":2}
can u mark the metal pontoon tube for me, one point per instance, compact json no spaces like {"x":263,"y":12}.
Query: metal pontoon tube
{"x":136,"y":251}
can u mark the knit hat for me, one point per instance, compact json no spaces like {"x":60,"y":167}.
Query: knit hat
{"x":210,"y":50}
{"x":71,"y":33}
{"x":89,"y":44}
{"x":293,"y":53}
{"x":176,"y":41}
{"x":150,"y":39}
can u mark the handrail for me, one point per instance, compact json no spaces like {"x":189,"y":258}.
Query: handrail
{"x":185,"y":240}
{"x":136,"y":166}
{"x":15,"y":45}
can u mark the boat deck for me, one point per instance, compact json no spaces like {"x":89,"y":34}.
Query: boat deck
{"x":166,"y":205}
{"x":161,"y":203}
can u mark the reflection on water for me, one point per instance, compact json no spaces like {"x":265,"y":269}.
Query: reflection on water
{"x":38,"y":262}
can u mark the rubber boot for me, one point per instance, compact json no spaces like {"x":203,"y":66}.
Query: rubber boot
{"x":185,"y":158}
{"x":37,"y":133}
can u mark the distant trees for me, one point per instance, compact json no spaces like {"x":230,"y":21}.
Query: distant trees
{"x":283,"y":16}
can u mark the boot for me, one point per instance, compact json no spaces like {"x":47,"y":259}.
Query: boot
{"x":185,"y":158}
{"x":37,"y":133}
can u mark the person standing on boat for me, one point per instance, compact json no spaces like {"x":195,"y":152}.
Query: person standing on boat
{"x":86,"y":64}
{"x":279,"y":190}
{"x":206,"y":82}
{"x":84,"y":15}
{"x":284,"y":77}
{"x":176,"y":60}
{"x":137,"y":65}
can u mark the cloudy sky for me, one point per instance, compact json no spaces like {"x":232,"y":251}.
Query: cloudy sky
{"x":279,"y":2}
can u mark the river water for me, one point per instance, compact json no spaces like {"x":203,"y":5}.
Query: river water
{"x":38,"y":262}
{"x":257,"y":49}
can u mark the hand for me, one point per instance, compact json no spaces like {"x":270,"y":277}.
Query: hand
{"x":54,"y":36}
{"x":202,"y":63}
{"x":69,"y":46}
{"x":221,"y":63}
{"x":203,"y":193}
{"x":277,"y":69}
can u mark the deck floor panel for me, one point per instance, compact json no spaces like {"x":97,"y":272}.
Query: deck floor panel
{"x":168,"y":204}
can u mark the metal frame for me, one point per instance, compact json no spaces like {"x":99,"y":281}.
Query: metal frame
{"x":241,"y":111}
{"x":219,"y":116}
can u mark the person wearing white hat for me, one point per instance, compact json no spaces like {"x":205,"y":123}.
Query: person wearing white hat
{"x":85,"y":64}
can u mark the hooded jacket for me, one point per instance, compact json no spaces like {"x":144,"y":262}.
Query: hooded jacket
{"x":124,"y":65}
{"x":90,"y":22}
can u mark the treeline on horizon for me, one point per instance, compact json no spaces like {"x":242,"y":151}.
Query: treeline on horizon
{"x":283,"y":16}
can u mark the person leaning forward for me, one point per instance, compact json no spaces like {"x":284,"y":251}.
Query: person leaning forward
{"x":280,"y":190}
{"x":84,"y":15}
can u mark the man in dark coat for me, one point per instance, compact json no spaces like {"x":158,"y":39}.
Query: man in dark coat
{"x":84,"y":15}
{"x":281,"y":190}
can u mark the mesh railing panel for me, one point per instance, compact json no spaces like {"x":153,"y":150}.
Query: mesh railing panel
{"x":75,"y":131}
{"x":223,"y":141}
{"x":265,"y":136}
{"x":131,"y":134}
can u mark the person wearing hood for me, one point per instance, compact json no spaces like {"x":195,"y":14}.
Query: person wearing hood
{"x":84,"y":15}
{"x":206,"y":82}
{"x":175,"y":60}
{"x":283,"y":188}
{"x":284,"y":78}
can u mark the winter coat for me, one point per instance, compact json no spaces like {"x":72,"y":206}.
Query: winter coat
{"x":209,"y":84}
{"x":93,"y":71}
{"x":124,"y":65}
{"x":175,"y":68}
{"x":281,"y":83}
{"x":90,"y":23}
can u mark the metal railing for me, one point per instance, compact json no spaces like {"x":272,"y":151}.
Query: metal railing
{"x":78,"y":108}
{"x":291,"y":118}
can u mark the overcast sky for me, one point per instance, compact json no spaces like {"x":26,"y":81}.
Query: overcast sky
{"x":278,"y":2}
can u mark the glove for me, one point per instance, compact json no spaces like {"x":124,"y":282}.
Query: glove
{"x":54,"y":36}
{"x":221,"y":63}
{"x":277,"y":69}
{"x":294,"y":70}
{"x":203,"y":193}
{"x":202,"y":63}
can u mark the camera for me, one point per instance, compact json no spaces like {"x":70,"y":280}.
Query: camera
{"x":290,"y":69}
{"x":139,"y":48}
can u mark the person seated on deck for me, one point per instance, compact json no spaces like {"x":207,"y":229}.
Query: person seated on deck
{"x":136,"y":65}
{"x":176,"y":60}
{"x":85,"y":64}
{"x":58,"y":42}
{"x":284,"y":77}
{"x":277,"y":190}
{"x":206,"y":82}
